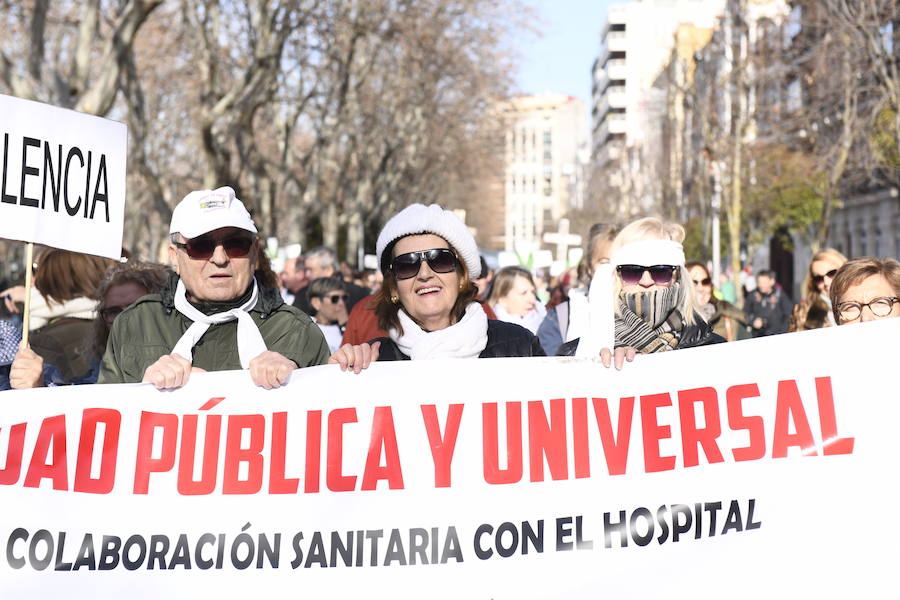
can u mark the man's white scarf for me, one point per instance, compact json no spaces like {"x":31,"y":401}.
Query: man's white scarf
{"x":465,"y":339}
{"x":250,"y":342}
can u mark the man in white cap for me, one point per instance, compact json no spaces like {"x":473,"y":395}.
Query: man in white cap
{"x":214,"y":314}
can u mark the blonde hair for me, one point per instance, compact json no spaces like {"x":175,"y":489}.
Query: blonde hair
{"x":828,"y":254}
{"x":652,"y":228}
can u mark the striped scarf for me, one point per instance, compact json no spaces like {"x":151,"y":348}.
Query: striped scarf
{"x":650,"y":321}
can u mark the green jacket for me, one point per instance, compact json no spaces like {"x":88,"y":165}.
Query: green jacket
{"x":150,"y":328}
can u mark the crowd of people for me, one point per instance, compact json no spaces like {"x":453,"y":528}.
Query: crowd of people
{"x":218,"y":305}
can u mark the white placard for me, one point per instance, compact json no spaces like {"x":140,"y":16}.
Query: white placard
{"x":62,"y":177}
{"x":758,"y":469}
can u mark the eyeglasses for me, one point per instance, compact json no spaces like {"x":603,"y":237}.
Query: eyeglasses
{"x":335,"y":298}
{"x":632,"y":274}
{"x":110,"y":313}
{"x":703,"y":282}
{"x":203,"y":247}
{"x":819,"y":279}
{"x":440,"y":260}
{"x":880,"y":307}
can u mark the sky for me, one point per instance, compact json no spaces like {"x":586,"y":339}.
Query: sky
{"x":558,"y":58}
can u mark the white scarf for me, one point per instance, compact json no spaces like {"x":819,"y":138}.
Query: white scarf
{"x":530,"y":320}
{"x":599,"y":330}
{"x":249,"y":340}
{"x":465,"y":339}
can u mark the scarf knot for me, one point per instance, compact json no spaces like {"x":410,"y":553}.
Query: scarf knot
{"x":250,"y":342}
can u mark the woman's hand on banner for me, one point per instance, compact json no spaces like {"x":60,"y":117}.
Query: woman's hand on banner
{"x":356,"y":357}
{"x":618,"y":357}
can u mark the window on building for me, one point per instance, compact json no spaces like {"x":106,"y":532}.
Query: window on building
{"x":863,"y":241}
{"x":533,"y":184}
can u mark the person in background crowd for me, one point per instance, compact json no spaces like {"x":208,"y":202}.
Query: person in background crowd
{"x":67,"y":281}
{"x":483,"y":282}
{"x":726,"y":287}
{"x":329,"y":299}
{"x":372,"y":279}
{"x":814,"y":310}
{"x":10,"y":337}
{"x":293,"y":278}
{"x":866,"y":289}
{"x":555,"y":328}
{"x":122,"y":285}
{"x":323,"y":262}
{"x":720,"y":314}
{"x":219,"y":311}
{"x":428,"y":301}
{"x":767,"y":308}
{"x":514,"y":300}
{"x":656,"y":307}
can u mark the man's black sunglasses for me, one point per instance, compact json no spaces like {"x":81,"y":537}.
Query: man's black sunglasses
{"x":440,"y":260}
{"x":204,"y":246}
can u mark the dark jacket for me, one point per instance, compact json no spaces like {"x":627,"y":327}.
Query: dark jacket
{"x":698,"y":334}
{"x":504,"y":340}
{"x":774,"y":309}
{"x":150,"y":328}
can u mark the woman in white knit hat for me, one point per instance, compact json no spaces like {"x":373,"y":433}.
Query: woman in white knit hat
{"x":644,"y":301}
{"x":428,"y":301}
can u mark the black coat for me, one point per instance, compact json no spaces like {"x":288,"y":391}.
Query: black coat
{"x":504,"y":339}
{"x":698,"y":334}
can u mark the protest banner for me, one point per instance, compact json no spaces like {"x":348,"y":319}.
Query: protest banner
{"x":762,"y":468}
{"x":62,"y":178}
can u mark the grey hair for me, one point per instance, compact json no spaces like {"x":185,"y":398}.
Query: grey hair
{"x":326,"y":256}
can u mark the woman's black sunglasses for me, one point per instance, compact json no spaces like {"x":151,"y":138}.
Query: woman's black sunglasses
{"x":632,"y":274}
{"x":204,"y":246}
{"x":818,"y":279}
{"x":440,"y":260}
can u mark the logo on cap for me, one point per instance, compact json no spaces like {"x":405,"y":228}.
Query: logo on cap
{"x":213,"y":201}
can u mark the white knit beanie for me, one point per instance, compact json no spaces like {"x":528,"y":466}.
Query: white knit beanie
{"x":418,"y":219}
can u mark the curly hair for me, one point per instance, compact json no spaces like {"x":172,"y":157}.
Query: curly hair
{"x":150,"y":276}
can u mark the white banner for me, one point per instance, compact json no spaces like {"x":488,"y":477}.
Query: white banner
{"x":62,"y":177}
{"x":744,"y":470}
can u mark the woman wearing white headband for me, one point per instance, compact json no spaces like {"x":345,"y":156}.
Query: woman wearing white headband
{"x":650,"y":294}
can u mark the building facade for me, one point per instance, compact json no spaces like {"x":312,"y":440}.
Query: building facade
{"x":545,"y":153}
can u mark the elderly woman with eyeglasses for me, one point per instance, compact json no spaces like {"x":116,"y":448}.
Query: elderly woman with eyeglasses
{"x":428,"y":300}
{"x":648,"y":303}
{"x":866,"y":289}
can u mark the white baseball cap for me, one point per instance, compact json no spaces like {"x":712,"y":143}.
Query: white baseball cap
{"x":206,"y":210}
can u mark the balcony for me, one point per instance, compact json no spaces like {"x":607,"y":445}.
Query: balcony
{"x":616,"y":41}
{"x":616,"y":69}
